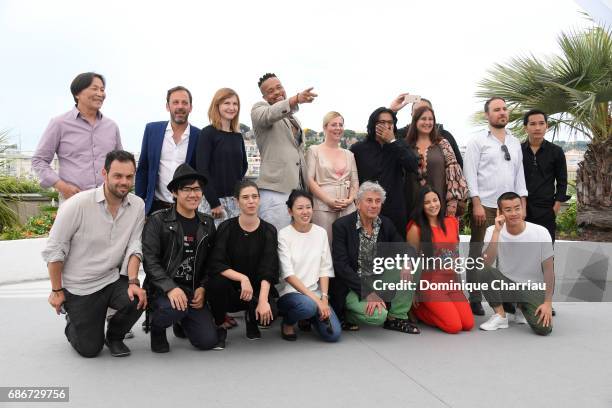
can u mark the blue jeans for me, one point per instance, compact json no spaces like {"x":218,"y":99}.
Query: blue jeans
{"x":296,"y":306}
{"x":198,"y":324}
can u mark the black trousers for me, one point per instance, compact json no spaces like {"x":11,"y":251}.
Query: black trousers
{"x":545,"y":217}
{"x":197,"y":323}
{"x":158,"y":205}
{"x":87,"y":316}
{"x":224,"y":296}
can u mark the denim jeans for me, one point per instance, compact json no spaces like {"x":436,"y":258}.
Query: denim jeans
{"x":198,"y":324}
{"x":296,"y":306}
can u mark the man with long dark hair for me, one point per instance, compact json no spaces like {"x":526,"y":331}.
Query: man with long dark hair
{"x":384,"y":159}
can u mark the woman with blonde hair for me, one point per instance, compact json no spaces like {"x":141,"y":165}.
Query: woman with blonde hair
{"x":332,"y":175}
{"x":221,"y":155}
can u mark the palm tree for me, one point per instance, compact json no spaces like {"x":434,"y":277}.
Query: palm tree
{"x":575,"y":89}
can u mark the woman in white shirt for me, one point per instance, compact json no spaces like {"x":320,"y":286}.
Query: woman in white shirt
{"x":306,"y":266}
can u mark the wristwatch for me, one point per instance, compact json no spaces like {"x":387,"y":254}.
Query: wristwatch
{"x":134,"y":281}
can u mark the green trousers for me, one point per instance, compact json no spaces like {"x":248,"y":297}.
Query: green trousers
{"x":400,"y":304}
{"x":527,"y":300}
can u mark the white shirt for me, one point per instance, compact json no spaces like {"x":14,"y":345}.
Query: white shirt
{"x":305,"y":255}
{"x":172,"y":156}
{"x":488,"y":173}
{"x":520,"y":257}
{"x":94,"y":247}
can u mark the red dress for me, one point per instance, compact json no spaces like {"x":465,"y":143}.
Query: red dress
{"x":448,"y":310}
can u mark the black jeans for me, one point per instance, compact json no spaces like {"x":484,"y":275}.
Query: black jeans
{"x":224,"y":296}
{"x":87,"y":315}
{"x":197,"y":323}
{"x":545,"y":217}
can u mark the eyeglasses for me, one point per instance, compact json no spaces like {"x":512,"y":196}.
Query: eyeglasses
{"x":188,"y":190}
{"x":506,"y":152}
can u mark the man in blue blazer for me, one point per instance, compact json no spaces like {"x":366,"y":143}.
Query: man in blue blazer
{"x":165,"y":146}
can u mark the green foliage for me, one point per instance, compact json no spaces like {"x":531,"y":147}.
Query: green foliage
{"x":35,"y":227}
{"x":8,"y":217}
{"x":574,"y":88}
{"x":14,"y":185}
{"x":566,"y":222}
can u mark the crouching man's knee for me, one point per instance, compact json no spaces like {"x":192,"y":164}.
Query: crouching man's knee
{"x":542,"y":331}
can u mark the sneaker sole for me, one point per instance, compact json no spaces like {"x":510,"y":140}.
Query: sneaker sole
{"x":496,"y":328}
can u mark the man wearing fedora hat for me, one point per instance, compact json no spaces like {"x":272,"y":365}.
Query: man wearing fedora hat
{"x":176,"y":242}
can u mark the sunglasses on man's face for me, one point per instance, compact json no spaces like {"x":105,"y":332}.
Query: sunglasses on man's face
{"x":506,"y":152}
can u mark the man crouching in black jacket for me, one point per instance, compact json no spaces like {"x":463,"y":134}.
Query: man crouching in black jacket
{"x":175,"y":243}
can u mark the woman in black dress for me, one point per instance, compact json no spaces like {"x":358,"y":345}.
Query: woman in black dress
{"x":243,"y":266}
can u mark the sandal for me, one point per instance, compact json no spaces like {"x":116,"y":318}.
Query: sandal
{"x":401,"y":325}
{"x":349,"y":326}
{"x":304,"y":325}
{"x":229,"y":322}
{"x":288,"y":336}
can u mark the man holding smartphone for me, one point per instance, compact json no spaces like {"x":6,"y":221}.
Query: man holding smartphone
{"x":526,"y":268}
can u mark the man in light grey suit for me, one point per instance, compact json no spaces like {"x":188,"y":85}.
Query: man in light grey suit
{"x":281,"y":146}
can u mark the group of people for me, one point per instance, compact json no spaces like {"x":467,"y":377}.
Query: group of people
{"x":300,"y":242}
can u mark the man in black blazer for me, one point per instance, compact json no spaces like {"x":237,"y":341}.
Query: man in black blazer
{"x":354,"y":247}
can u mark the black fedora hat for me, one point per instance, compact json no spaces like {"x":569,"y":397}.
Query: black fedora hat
{"x":185,"y":172}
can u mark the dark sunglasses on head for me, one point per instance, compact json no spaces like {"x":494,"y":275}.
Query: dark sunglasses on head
{"x":506,"y":152}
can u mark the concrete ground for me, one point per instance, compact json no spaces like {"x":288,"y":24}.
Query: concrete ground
{"x":370,"y":368}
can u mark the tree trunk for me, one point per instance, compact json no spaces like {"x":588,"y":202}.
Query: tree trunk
{"x":594,"y":186}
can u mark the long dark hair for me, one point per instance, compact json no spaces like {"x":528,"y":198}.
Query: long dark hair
{"x":374,"y":118}
{"x":420,"y":219}
{"x":413,"y":134}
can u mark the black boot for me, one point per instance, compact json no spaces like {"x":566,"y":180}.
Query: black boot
{"x":252,"y":330}
{"x":159,"y":343}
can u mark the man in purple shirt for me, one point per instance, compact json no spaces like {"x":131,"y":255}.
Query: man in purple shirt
{"x":81,"y":138}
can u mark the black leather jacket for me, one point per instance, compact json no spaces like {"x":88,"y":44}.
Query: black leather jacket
{"x":162,"y":249}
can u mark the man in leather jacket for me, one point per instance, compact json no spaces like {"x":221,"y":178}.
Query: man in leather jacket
{"x":176,"y":242}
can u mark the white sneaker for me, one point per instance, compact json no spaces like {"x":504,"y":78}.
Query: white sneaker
{"x":519,"y":317}
{"x":495,"y":322}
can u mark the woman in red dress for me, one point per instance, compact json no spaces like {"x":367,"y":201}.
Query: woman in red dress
{"x":437,"y":237}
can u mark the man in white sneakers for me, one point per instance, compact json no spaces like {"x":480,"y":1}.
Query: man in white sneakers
{"x":525,"y":268}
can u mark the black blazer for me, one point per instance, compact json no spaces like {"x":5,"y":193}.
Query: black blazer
{"x":345,"y":251}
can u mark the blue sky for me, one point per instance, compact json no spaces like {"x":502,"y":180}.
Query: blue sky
{"x":357,"y":55}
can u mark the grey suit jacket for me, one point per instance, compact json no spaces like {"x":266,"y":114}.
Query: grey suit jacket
{"x":282,"y":158}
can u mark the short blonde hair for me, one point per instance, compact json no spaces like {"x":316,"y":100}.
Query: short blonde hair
{"x":331,"y":115}
{"x":213,"y":111}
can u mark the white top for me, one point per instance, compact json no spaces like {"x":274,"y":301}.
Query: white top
{"x":93,"y":246}
{"x":488,"y":173}
{"x":520,"y":256}
{"x":305,"y":255}
{"x":172,"y":156}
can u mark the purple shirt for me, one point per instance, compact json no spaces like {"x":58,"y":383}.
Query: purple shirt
{"x":80,"y":147}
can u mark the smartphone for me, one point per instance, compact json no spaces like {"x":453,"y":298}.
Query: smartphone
{"x":412,"y":98}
